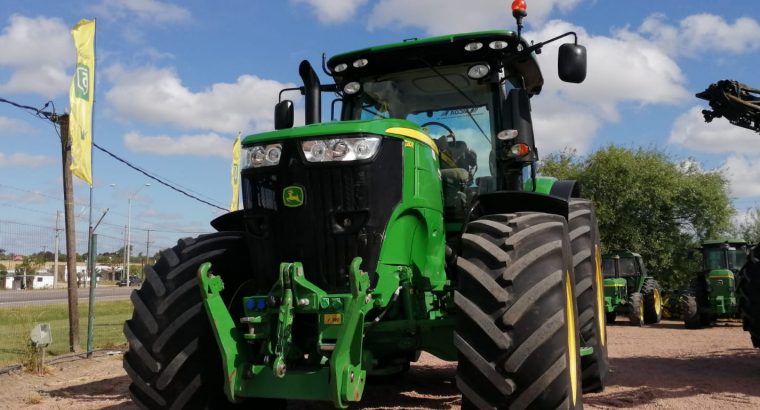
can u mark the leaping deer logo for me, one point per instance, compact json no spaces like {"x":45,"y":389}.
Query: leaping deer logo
{"x":293,"y":196}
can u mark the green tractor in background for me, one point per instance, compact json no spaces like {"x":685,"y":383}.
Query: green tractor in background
{"x":629,"y":290}
{"x":712,"y":293}
{"x":414,"y":223}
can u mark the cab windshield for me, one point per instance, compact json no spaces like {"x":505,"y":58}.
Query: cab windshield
{"x":455,"y":110}
{"x":736,"y":258}
{"x":627,"y":267}
{"x":608,"y":268}
{"x":715,"y":258}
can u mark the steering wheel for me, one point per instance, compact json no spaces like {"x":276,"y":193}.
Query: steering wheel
{"x":442,"y":125}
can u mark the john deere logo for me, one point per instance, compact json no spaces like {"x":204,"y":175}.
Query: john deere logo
{"x":293,"y":196}
{"x":82,"y":82}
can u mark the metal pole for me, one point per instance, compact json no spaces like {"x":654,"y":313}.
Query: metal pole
{"x":129,"y":236}
{"x":92,"y":259}
{"x":124,"y":266}
{"x":93,"y":283}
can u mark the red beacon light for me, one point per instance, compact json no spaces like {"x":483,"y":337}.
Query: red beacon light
{"x":518,"y":8}
{"x":518,"y":12}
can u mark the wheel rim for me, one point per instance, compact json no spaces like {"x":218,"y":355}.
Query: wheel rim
{"x":657,"y":302}
{"x":600,"y":296}
{"x":641,"y":314}
{"x":572,"y":346}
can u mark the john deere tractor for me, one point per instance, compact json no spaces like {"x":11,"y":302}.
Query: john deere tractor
{"x":740,"y":105}
{"x":415,"y":222}
{"x":712,"y":293}
{"x":629,"y":290}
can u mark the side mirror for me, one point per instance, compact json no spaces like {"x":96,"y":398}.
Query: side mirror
{"x":283,"y":115}
{"x":572,"y":63}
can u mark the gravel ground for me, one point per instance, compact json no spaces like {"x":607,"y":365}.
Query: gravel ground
{"x":663,"y":366}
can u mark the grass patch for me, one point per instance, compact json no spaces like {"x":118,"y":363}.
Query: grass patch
{"x":17,"y":322}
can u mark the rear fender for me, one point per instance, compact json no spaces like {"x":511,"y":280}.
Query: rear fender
{"x":516,"y":201}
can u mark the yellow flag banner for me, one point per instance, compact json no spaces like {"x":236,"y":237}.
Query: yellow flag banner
{"x":235,"y":174}
{"x":81,"y":98}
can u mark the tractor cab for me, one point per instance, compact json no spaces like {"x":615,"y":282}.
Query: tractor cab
{"x":724,"y":255}
{"x":466,"y":95}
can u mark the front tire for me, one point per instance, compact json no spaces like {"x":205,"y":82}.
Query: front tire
{"x":636,"y":314}
{"x":652,"y":301}
{"x":690,"y":309}
{"x":173,"y":358}
{"x":517,"y":333}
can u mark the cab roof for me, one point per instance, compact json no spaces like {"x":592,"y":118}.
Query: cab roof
{"x":439,"y":51}
{"x":622,"y":254}
{"x":718,"y":242}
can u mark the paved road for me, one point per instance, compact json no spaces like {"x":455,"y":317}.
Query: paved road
{"x":25,"y":297}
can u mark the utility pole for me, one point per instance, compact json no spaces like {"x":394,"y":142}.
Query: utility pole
{"x":55,"y":257}
{"x":71,"y":251}
{"x":147,"y":249}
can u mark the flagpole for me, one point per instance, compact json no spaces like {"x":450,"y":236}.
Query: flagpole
{"x":91,"y":259}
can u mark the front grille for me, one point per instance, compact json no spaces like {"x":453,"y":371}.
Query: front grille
{"x":345,"y":211}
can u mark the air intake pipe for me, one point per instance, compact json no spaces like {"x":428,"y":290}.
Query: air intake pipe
{"x":311,"y":92}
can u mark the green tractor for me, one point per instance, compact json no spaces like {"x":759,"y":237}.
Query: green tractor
{"x":414,"y":223}
{"x":629,"y":290}
{"x":712,"y":293}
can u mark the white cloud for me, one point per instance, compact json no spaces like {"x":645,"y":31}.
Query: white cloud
{"x":691,"y":130}
{"x":203,"y":145}
{"x":148,"y":10}
{"x":38,"y":51}
{"x":559,"y":124}
{"x":743,"y":174}
{"x":333,"y":11}
{"x":157,"y":95}
{"x":444,"y":17}
{"x":621,"y":68}
{"x":701,"y":33}
{"x":22,"y":160}
{"x":12,"y":126}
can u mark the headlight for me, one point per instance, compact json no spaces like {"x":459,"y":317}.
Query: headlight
{"x":261,"y":156}
{"x":340,"y":149}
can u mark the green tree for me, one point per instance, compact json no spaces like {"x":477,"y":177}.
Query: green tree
{"x":651,"y":204}
{"x":749,"y":230}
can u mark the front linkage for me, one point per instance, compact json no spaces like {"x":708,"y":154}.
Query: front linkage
{"x":256,"y":362}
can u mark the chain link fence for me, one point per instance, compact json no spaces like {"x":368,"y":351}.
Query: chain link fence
{"x":34,"y":283}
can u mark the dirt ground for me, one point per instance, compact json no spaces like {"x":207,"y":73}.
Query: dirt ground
{"x":663,"y":366}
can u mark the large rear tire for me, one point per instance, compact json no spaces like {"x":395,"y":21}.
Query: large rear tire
{"x":517,"y":333}
{"x":173,"y":358}
{"x":749,"y":295}
{"x":587,"y":250}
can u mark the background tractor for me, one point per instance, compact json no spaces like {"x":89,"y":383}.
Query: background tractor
{"x":415,"y":222}
{"x":629,"y":290}
{"x":712,"y":293}
{"x":740,"y":105}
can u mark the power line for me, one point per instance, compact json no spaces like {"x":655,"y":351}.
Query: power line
{"x":52,"y":116}
{"x":160,"y":181}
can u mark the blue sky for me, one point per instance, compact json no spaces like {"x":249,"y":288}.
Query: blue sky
{"x":177,"y":80}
